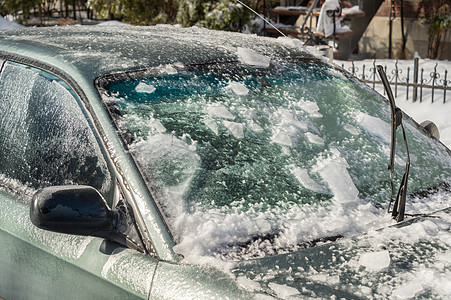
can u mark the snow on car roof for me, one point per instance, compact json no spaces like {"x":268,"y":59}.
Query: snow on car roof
{"x":97,"y":50}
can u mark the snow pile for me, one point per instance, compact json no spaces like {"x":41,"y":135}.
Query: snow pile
{"x":437,"y":112}
{"x":5,"y":24}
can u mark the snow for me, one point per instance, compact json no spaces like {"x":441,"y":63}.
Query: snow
{"x":5,"y":24}
{"x":112,"y":23}
{"x":352,"y":10}
{"x":437,"y":112}
{"x":204,"y":231}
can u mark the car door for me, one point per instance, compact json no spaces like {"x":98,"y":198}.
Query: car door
{"x":46,"y":139}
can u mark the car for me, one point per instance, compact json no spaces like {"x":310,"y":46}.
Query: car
{"x":170,"y":163}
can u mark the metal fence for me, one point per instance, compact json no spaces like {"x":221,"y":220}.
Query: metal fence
{"x":415,"y":81}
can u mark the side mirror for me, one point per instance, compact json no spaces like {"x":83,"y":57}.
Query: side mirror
{"x":77,"y":210}
{"x":81,"y":210}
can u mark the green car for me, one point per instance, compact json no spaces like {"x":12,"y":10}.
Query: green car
{"x":182,"y":163}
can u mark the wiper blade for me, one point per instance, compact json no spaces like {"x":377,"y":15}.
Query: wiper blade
{"x":399,"y":206}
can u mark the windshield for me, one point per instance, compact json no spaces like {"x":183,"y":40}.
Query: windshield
{"x":247,"y":162}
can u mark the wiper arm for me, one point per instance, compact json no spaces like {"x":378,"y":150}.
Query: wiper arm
{"x":399,"y":206}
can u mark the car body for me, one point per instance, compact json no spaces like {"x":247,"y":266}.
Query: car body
{"x":129,"y":205}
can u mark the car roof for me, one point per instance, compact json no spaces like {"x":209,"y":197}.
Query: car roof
{"x":97,"y":50}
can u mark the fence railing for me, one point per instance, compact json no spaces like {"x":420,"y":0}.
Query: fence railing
{"x":415,"y":81}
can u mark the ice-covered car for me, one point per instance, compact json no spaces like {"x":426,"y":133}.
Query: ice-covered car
{"x":165,"y":163}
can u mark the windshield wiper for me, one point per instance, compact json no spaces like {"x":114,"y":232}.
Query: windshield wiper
{"x":399,"y":206}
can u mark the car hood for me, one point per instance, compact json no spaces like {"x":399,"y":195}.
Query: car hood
{"x":410,"y":259}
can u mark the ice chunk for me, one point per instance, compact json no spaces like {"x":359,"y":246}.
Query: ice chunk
{"x":375,"y":261}
{"x":248,"y":284}
{"x":310,"y":107}
{"x":334,"y":171}
{"x":334,"y":279}
{"x":145,"y":88}
{"x":282,"y":138}
{"x":235,"y":128}
{"x":351,"y":129}
{"x":170,"y":69}
{"x":374,"y":126}
{"x":286,"y":117}
{"x":238,"y":88}
{"x":303,"y":177}
{"x":407,"y":291}
{"x":211,"y":124}
{"x":314,"y":138}
{"x":171,"y":162}
{"x":283,"y":291}
{"x":156,"y":125}
{"x":255,"y":127}
{"x":250,"y":57}
{"x":220,"y":111}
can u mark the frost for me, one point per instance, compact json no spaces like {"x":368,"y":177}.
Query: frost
{"x":250,"y":57}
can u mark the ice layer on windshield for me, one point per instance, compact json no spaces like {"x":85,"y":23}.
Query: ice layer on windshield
{"x":253,"y":161}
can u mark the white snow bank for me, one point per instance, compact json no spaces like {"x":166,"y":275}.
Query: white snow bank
{"x":5,"y":24}
{"x":437,"y":112}
{"x":113,"y":23}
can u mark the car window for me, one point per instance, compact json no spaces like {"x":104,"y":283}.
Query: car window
{"x":45,"y":139}
{"x":283,"y":153}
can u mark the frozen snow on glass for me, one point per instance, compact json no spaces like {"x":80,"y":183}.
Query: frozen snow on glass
{"x":44,"y":136}
{"x":252,"y":160}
